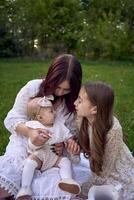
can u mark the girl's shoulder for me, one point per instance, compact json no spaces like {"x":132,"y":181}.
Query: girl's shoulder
{"x":116,"y":130}
{"x":116,"y":124}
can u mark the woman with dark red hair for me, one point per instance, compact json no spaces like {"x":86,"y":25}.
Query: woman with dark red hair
{"x":63,"y":80}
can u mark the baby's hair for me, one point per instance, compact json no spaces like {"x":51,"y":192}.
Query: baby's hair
{"x":33,"y":107}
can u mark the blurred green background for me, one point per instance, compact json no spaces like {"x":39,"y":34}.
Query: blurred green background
{"x":88,"y":28}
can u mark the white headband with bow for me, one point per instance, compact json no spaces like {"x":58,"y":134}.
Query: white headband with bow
{"x":46,"y":101}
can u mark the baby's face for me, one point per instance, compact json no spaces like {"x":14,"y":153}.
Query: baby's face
{"x":47,"y":116}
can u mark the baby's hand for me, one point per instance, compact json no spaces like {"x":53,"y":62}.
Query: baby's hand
{"x":72,"y":147}
{"x":39,"y":136}
{"x":45,"y":136}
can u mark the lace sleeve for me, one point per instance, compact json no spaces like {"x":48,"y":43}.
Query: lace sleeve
{"x":18,"y":113}
{"x":113,"y":146}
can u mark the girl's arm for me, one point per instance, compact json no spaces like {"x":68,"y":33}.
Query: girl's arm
{"x":112,"y":149}
{"x":113,"y":146}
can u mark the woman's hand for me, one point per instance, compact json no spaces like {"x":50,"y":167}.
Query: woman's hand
{"x":72,"y":147}
{"x":58,"y":148}
{"x":39,"y":136}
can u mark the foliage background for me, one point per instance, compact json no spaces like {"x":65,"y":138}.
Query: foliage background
{"x":88,"y":28}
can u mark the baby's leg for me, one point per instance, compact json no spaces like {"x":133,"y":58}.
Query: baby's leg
{"x":31,"y":163}
{"x":67,"y":183}
{"x":65,"y":168}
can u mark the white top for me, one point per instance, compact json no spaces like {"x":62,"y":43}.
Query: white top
{"x":18,"y":113}
{"x":44,"y":185}
{"x":59,"y":131}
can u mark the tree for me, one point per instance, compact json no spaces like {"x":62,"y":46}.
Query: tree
{"x":108,"y":29}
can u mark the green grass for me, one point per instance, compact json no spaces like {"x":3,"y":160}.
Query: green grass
{"x":15,"y":73}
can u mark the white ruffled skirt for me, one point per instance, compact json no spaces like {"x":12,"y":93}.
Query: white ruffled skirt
{"x":45,"y":184}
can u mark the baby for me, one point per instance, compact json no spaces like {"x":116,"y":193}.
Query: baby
{"x":41,"y":112}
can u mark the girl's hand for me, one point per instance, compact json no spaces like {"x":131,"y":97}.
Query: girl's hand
{"x":58,"y":148}
{"x":72,"y":147}
{"x":39,"y":136}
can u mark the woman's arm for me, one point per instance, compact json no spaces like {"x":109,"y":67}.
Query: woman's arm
{"x":17,"y":116}
{"x":22,"y":129}
{"x":71,"y":124}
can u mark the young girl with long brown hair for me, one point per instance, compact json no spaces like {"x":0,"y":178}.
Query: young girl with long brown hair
{"x":101,"y":139}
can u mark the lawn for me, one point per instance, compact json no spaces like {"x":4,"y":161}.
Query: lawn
{"x":15,"y":73}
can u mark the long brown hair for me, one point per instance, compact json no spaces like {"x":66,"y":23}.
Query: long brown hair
{"x":63,"y":67}
{"x":102,"y":96}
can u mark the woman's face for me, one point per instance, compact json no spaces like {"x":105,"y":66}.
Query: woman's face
{"x":63,"y":88}
{"x":83,"y":106}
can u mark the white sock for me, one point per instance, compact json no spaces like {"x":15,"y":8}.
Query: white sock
{"x":65,"y":168}
{"x":28,"y":172}
{"x":75,"y":159}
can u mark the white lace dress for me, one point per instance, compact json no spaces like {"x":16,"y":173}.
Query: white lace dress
{"x":118,"y":166}
{"x":60,"y":133}
{"x":45,"y":185}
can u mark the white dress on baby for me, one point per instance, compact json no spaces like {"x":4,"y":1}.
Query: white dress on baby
{"x":45,"y":184}
{"x":59,"y":134}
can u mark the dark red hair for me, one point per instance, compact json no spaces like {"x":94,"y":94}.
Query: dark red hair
{"x":63,"y":67}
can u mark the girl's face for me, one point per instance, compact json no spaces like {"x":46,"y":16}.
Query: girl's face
{"x":83,"y":106}
{"x":63,"y":88}
{"x":47,"y":116}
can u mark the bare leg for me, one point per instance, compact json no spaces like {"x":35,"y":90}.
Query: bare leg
{"x":4,"y":193}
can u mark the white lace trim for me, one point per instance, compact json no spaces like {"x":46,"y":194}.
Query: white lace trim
{"x":65,"y":197}
{"x":8,"y":185}
{"x":13,"y":190}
